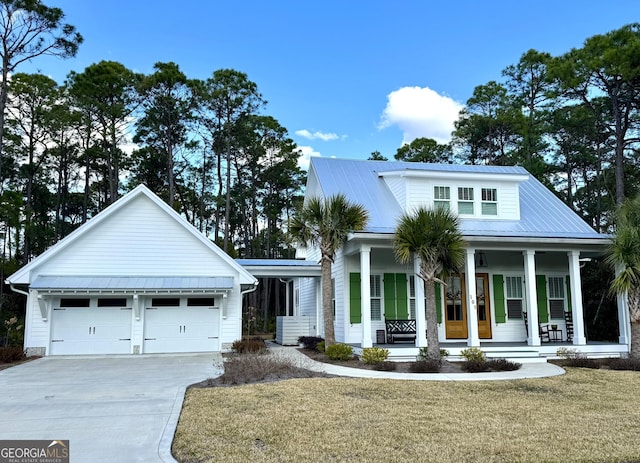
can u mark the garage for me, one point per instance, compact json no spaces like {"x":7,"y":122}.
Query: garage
{"x":187,"y":324}
{"x":84,"y":325}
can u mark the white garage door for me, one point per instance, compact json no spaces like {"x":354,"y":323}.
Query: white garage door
{"x":91,"y":326}
{"x":182,"y":325}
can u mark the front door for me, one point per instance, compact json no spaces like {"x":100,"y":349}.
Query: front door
{"x":456,"y":307}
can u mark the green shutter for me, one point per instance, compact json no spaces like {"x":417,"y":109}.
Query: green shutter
{"x":402,"y":296}
{"x":438,"y":288}
{"x":569,"y":293}
{"x":355,"y":299}
{"x":389,"y":296}
{"x":498,"y":299}
{"x":543,"y":311}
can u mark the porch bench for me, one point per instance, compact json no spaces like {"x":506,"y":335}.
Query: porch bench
{"x":403,"y":329}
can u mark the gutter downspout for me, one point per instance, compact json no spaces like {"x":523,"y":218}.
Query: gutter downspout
{"x":19,"y":291}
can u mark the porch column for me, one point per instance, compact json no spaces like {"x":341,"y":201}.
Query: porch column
{"x":421,"y":322}
{"x":472,"y":307}
{"x":623,"y":315}
{"x":576,"y":297}
{"x":532,"y":296}
{"x":317,"y":284}
{"x":365,"y":291}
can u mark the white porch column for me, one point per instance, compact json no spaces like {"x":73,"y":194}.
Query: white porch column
{"x":532,"y":296}
{"x":472,"y":306}
{"x":623,"y":315}
{"x":317,"y":284}
{"x":576,"y":298}
{"x":421,"y":322}
{"x":365,"y":292}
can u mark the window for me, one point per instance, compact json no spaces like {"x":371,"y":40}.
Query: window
{"x":75,"y":302}
{"x":489,"y":201}
{"x":514,"y":297}
{"x":556,"y":297}
{"x":112,"y":302}
{"x":376,"y":297}
{"x":465,"y":200}
{"x":412,"y":297}
{"x":165,"y":302}
{"x":441,"y":197}
{"x":201,"y":302}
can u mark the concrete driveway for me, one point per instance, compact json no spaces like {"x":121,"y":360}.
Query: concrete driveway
{"x":115,"y":408}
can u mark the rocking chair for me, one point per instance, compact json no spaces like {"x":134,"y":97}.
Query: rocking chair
{"x":543,"y":330}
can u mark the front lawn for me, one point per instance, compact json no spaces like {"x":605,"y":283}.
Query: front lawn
{"x":583,"y":416}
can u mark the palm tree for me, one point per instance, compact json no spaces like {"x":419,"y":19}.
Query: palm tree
{"x":326,"y":224}
{"x":623,"y":254}
{"x":434,"y":237}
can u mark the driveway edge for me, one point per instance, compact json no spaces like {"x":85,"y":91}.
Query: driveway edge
{"x":164,"y":447}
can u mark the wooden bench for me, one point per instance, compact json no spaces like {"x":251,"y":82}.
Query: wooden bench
{"x":404,"y":329}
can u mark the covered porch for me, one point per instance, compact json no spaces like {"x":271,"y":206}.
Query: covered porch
{"x":507,"y":293}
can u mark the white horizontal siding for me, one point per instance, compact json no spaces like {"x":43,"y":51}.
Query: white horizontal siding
{"x":137,"y":240}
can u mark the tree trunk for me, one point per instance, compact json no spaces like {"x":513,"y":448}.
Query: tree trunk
{"x":634,"y":352}
{"x":433,"y":344}
{"x":327,"y":307}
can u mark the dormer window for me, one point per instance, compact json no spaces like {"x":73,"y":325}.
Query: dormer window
{"x":465,"y":200}
{"x":489,"y":201}
{"x":441,"y":197}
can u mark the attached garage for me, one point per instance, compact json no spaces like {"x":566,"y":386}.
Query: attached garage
{"x":135,"y":279}
{"x":83,"y":325}
{"x":187,"y":324}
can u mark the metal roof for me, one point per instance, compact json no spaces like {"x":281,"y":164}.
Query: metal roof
{"x":141,"y":283}
{"x":542,"y":213}
{"x":283,"y":268}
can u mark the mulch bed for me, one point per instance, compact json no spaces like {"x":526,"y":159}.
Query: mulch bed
{"x":401,"y":367}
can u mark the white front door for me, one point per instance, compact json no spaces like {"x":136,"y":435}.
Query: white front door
{"x":91,"y":326}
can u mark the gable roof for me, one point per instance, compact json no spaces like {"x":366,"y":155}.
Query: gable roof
{"x":542,"y":213}
{"x":22,"y":276}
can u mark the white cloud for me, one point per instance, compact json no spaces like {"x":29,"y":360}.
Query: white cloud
{"x":305,"y":159}
{"x":420,"y":112}
{"x":317,"y":135}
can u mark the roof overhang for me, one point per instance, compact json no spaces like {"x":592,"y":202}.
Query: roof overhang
{"x":280,"y":268}
{"x":132,"y":285}
{"x":489,"y":177}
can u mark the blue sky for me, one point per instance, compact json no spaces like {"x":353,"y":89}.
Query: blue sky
{"x":344,"y":77}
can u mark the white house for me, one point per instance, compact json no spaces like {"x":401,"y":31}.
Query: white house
{"x":525,"y":248}
{"x":136,"y":278}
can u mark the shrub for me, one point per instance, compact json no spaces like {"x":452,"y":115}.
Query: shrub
{"x":339,"y":352}
{"x":424,"y":355}
{"x":320,"y":346}
{"x":11,"y":354}
{"x":251,"y":368}
{"x":503,"y":365}
{"x":310,"y":342}
{"x":475,"y":366}
{"x":249,"y":346}
{"x":385,"y":366}
{"x":581,"y":361}
{"x":425,"y":366}
{"x":473,"y":354}
{"x":374,"y":355}
{"x":567,"y":353}
{"x":624,"y":364}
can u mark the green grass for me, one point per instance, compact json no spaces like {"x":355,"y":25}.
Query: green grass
{"x":583,"y":416}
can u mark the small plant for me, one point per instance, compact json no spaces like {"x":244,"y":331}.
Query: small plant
{"x":339,"y":352}
{"x":320,"y":346}
{"x":385,"y":366}
{"x":249,"y":346}
{"x":425,"y":366}
{"x":473,"y":354}
{"x":374,"y":355}
{"x":423,"y":354}
{"x":503,"y":365}
{"x":567,"y":353}
{"x":310,"y":342}
{"x":11,"y":354}
{"x":475,"y":366}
